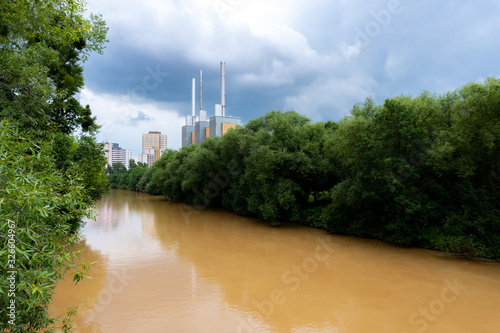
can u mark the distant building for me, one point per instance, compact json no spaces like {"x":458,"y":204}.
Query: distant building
{"x":149,"y":157}
{"x":188,"y":134}
{"x":153,"y":145}
{"x":201,"y":128}
{"x":114,"y":153}
{"x":108,"y":147}
{"x":220,"y":124}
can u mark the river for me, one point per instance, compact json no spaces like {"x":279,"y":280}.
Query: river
{"x":166,"y":267}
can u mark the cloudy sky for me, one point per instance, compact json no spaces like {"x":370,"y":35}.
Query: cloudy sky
{"x":317,"y":57}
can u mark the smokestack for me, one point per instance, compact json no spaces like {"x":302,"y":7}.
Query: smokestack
{"x":223,"y":87}
{"x":201,"y":89}
{"x":193,"y":112}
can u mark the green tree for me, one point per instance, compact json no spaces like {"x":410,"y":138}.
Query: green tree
{"x":133,"y":177}
{"x":131,"y":164}
{"x":146,"y":180}
{"x":39,"y":205}
{"x":89,"y":162}
{"x":169,"y":179}
{"x":419,"y":171}
{"x":465,"y":158}
{"x":285,"y":165}
{"x":52,"y":169}
{"x":42,"y":47}
{"x":115,"y":172}
{"x":203,"y":187}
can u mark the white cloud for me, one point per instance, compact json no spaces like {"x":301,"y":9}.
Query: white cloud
{"x":124,"y":120}
{"x":331,"y":98}
{"x":396,"y":64}
{"x":350,"y":52}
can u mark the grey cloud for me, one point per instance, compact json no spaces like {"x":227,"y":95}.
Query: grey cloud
{"x":295,"y":61}
{"x":141,"y":116}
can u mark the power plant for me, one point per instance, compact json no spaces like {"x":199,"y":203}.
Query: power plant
{"x":197,"y":128}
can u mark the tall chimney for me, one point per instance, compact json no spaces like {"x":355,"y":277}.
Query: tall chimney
{"x":223,"y":87}
{"x":201,"y":89}
{"x":193,"y":112}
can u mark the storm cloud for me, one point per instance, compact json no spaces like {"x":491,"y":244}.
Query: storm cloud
{"x":318,"y":58}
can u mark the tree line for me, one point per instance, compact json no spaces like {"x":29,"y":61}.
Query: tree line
{"x":51,"y":166}
{"x":416,"y":171}
{"x":136,"y":178}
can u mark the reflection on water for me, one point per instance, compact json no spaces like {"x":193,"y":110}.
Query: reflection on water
{"x":164,"y":267}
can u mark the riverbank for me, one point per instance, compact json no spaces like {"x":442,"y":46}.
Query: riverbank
{"x":415,"y":171}
{"x":311,"y":218}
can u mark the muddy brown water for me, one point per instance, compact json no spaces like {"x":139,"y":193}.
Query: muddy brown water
{"x":165,"y":267}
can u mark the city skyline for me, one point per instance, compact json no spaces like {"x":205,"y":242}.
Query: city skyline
{"x":153,"y":145}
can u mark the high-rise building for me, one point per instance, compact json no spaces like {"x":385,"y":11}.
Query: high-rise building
{"x":108,"y":151}
{"x":149,"y":157}
{"x":114,"y":153}
{"x":153,"y":144}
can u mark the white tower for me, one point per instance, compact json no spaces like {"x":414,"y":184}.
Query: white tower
{"x":193,"y":97}
{"x":223,"y":87}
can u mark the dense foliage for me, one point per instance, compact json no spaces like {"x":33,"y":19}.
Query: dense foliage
{"x":136,"y":178}
{"x":51,"y":167}
{"x":40,"y":206}
{"x":422,"y":171}
{"x":43,"y":44}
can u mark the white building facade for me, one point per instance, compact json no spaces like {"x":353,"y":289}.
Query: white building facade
{"x":114,"y":153}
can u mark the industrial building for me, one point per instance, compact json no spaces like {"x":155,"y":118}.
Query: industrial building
{"x":198,"y":128}
{"x":188,"y":132}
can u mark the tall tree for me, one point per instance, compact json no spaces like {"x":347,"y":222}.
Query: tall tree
{"x":49,"y":176}
{"x":43,"y":46}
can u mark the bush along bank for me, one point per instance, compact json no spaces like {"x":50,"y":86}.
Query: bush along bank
{"x":416,"y":171}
